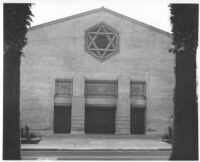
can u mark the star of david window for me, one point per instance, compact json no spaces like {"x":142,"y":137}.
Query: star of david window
{"x":102,"y":41}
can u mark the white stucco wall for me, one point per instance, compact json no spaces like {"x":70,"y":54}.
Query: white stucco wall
{"x":57,"y":51}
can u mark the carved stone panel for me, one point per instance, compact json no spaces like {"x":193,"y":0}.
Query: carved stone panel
{"x":101,"y":88}
{"x":138,"y":89}
{"x":64,"y":87}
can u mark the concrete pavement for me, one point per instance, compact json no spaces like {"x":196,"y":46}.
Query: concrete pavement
{"x":98,"y":142}
{"x":95,"y":155}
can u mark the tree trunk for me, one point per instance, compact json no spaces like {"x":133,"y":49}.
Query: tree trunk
{"x":184,"y":19}
{"x":185,"y":143}
{"x":11,"y":94}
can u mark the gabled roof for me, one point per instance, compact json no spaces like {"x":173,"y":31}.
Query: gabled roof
{"x":95,"y":11}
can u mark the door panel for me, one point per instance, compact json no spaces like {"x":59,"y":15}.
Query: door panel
{"x":100,"y":120}
{"x":62,"y":119}
{"x":137,"y":120}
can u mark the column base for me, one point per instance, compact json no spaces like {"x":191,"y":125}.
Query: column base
{"x":123,"y":132}
{"x":77,"y":132}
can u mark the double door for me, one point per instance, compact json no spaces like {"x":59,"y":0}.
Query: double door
{"x":99,"y":120}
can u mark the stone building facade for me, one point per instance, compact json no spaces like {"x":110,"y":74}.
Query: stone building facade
{"x":97,"y":72}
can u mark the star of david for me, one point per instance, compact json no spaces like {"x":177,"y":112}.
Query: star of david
{"x":101,"y":41}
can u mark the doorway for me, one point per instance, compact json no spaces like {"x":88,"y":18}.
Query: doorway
{"x":99,"y":120}
{"x":62,"y":119}
{"x":137,"y":120}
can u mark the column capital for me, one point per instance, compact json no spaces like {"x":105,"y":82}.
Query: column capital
{"x":123,"y":76}
{"x":78,"y":76}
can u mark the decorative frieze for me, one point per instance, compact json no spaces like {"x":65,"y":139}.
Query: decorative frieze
{"x":138,"y":89}
{"x":101,"y":88}
{"x":64,"y":87}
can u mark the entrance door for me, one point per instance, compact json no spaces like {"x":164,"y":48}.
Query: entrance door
{"x":62,"y":119}
{"x":137,"y":120}
{"x":99,"y":120}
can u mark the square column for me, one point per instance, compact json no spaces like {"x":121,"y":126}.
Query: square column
{"x":78,"y":105}
{"x":123,"y":106}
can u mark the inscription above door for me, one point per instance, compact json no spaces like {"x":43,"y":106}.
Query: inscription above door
{"x":100,"y":88}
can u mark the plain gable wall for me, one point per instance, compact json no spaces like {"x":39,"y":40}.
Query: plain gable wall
{"x":58,"y":51}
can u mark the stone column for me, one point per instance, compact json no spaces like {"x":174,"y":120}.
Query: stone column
{"x":78,"y":105}
{"x":123,"y":106}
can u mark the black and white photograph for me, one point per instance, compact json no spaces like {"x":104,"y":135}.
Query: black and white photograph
{"x":100,"y":80}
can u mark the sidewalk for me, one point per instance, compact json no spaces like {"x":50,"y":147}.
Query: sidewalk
{"x":98,"y":142}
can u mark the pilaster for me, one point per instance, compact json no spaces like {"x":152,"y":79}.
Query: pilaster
{"x":78,"y":105}
{"x":123,"y":106}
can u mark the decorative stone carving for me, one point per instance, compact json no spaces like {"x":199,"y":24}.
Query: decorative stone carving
{"x":138,"y":89}
{"x":101,"y":89}
{"x":64,"y":87}
{"x":102,"y":41}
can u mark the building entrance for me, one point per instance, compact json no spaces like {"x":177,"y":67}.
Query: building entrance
{"x":137,"y":120}
{"x":99,"y":120}
{"x":62,"y":119}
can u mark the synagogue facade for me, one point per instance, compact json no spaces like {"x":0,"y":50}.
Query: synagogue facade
{"x":98,"y":72}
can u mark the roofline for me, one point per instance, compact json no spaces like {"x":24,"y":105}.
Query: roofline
{"x":94,"y":11}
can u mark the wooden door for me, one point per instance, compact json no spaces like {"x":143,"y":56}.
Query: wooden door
{"x":62,"y":119}
{"x":137,"y":120}
{"x":100,"y":120}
